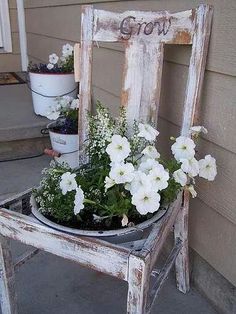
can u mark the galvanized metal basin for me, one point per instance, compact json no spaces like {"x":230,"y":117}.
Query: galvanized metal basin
{"x":114,"y":236}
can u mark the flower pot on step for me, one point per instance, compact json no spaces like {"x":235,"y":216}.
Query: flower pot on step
{"x":65,"y":144}
{"x":46,"y":87}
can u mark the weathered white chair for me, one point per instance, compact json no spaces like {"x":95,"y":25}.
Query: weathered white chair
{"x":144,"y":35}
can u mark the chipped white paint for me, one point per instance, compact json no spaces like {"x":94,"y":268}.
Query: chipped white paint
{"x":86,"y":251}
{"x":132,"y":80}
{"x":85,"y":75}
{"x":7,"y":280}
{"x":143,"y":25}
{"x":201,"y":36}
{"x":77,"y":62}
{"x":138,"y":285}
{"x":141,"y":96}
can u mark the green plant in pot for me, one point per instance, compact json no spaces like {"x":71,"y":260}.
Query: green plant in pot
{"x":63,"y":130}
{"x":52,"y":79}
{"x":126,"y":181}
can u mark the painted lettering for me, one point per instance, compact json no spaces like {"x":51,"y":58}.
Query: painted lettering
{"x":130,"y":27}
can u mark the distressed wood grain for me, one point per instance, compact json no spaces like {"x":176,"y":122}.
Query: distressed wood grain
{"x":77,"y":61}
{"x":7,"y":279}
{"x":201,"y":36}
{"x":85,"y":75}
{"x":138,"y":285}
{"x":176,"y":28}
{"x":86,"y":251}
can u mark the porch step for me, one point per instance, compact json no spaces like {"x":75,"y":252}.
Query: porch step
{"x":20,"y":127}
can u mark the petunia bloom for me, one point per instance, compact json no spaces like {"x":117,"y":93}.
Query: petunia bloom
{"x":148,"y":132}
{"x":146,"y":201}
{"x":79,"y":200}
{"x":158,"y":178}
{"x":118,"y":149}
{"x":183,"y":148}
{"x":53,"y":58}
{"x":190,"y":166}
{"x":68,"y":182}
{"x":50,"y":66}
{"x":151,"y":152}
{"x":67,"y":50}
{"x":180,"y":177}
{"x":122,"y":173}
{"x":207,"y":168}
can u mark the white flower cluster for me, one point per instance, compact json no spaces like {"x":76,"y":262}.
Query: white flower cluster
{"x":67,"y":51}
{"x":184,"y":152}
{"x":67,"y":184}
{"x":145,"y":180}
{"x":61,"y":106}
{"x":101,"y":130}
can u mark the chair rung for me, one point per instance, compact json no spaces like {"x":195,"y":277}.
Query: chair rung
{"x":163,"y":274}
{"x":25,"y":257}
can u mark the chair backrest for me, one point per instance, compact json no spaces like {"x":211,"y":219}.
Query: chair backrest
{"x":144,"y":35}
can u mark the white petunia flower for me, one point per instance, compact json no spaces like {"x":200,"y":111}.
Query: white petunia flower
{"x":124,"y":221}
{"x":158,"y":178}
{"x":146,"y":201}
{"x":140,"y":181}
{"x":67,"y":50}
{"x":183,"y":148}
{"x":79,"y":200}
{"x":53,"y":113}
{"x":109,"y":183}
{"x":68,"y":182}
{"x":148,"y":132}
{"x":148,"y":165}
{"x":192,"y":191}
{"x":207,"y":168}
{"x":195,"y":130}
{"x":122,"y":173}
{"x":118,"y":149}
{"x":190,"y":166}
{"x":180,"y":177}
{"x":75,"y":104}
{"x":50,"y":66}
{"x":53,"y":58}
{"x":151,"y":152}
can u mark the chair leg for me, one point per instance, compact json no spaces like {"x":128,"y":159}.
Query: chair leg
{"x":7,"y":280}
{"x":182,"y":260}
{"x":138,"y":285}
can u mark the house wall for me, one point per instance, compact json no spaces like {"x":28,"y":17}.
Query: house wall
{"x":52,"y":23}
{"x":11,"y":61}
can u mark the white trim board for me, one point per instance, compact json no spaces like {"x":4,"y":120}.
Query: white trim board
{"x":22,"y":34}
{"x":5,"y":27}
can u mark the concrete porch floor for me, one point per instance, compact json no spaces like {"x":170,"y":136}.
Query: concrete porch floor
{"x":50,"y":285}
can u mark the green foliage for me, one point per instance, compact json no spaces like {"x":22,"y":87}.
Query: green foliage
{"x":110,"y":204}
{"x":49,"y":196}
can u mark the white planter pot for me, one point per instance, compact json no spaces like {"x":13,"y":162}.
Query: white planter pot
{"x":65,"y":144}
{"x":114,"y":236}
{"x":46,"y":85}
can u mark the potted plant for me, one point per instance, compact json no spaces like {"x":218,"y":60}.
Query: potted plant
{"x":52,"y":80}
{"x":63,"y":131}
{"x":126,"y":184}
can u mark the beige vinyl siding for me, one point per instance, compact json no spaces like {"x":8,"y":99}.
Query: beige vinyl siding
{"x":213,"y":214}
{"x":11,"y":61}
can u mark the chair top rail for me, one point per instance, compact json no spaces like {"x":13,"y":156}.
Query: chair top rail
{"x":162,"y":26}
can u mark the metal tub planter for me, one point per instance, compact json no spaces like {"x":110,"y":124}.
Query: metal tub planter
{"x":117,"y":236}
